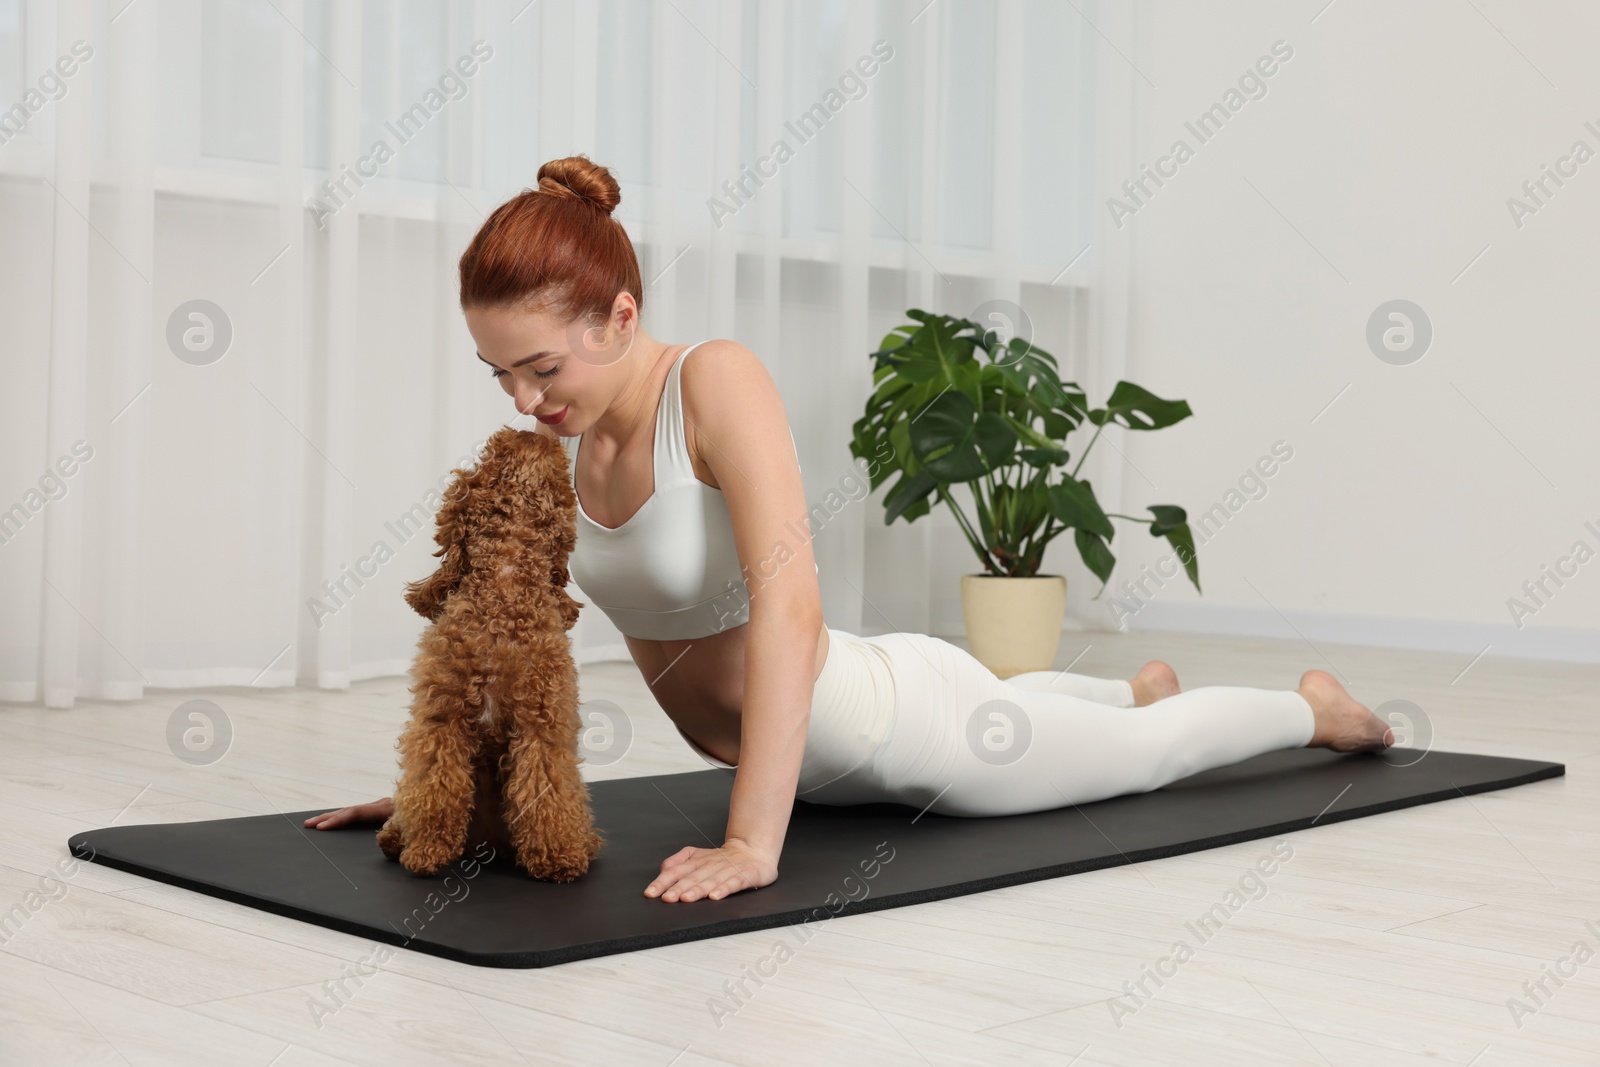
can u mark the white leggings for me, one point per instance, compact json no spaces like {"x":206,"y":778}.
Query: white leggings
{"x":912,"y":719}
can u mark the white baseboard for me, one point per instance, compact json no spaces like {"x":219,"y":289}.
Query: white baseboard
{"x":1382,"y":631}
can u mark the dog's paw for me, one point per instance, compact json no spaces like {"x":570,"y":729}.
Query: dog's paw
{"x":551,"y":870}
{"x":564,"y":864}
{"x":419,"y":859}
{"x":390,"y":840}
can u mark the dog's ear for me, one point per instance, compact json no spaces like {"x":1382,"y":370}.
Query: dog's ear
{"x":427,"y":595}
{"x":569,"y":609}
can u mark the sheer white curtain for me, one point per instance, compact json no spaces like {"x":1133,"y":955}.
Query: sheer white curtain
{"x":235,"y":372}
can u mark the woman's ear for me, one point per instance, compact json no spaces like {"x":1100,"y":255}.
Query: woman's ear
{"x":427,"y":595}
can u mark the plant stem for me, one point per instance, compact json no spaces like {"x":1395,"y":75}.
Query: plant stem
{"x":1086,"y":448}
{"x":1027,"y":549}
{"x":966,"y":530}
{"x":987,"y":503}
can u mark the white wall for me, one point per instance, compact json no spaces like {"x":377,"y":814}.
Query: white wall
{"x":1377,"y":166}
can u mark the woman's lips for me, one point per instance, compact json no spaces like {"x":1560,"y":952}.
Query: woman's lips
{"x":551,"y":420}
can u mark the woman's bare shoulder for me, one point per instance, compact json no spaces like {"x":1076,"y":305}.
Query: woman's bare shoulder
{"x":730,"y":384}
{"x":733,"y":374}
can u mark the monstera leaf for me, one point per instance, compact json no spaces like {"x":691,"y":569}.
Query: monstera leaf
{"x":1139,"y":409}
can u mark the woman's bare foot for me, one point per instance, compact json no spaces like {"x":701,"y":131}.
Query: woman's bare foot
{"x":1343,"y":724}
{"x":373,"y":811}
{"x":1155,"y":681}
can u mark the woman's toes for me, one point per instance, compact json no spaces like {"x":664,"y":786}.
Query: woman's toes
{"x":1371,"y":734}
{"x":1343,"y":724}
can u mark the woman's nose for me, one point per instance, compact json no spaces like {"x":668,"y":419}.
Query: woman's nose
{"x":528,"y":397}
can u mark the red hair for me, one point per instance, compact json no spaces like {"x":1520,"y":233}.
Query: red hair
{"x":555,"y":248}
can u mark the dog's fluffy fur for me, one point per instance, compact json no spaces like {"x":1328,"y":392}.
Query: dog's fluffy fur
{"x":494,"y":682}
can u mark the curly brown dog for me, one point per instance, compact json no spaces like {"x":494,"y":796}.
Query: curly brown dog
{"x":495,"y":688}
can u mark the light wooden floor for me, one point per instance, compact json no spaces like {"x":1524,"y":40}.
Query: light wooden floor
{"x":1394,"y":939}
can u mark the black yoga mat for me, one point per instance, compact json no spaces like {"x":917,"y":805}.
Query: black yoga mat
{"x":837,"y":861}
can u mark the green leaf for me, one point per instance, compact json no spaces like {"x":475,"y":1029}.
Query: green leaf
{"x":956,"y":444}
{"x":1182,"y":541}
{"x":1138,"y":408}
{"x":1073,"y":504}
{"x":1096,"y":556}
{"x":1043,"y":458}
{"x":1019,"y":350}
{"x":1057,"y":426}
{"x":895,"y":338}
{"x":995,"y":439}
{"x":1171,"y":523}
{"x":914,"y":512}
{"x":947,"y":347}
{"x":912,"y":362}
{"x":907,"y":493}
{"x":1167,"y":517}
{"x":900,"y":441}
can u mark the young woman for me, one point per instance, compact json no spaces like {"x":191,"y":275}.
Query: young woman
{"x":688,"y":501}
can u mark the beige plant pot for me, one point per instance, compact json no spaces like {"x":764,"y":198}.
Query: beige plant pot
{"x":1014,"y":624}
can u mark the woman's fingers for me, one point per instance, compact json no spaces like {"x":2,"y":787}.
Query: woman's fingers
{"x":726,"y":886}
{"x":673,"y":871}
{"x":669,"y":874}
{"x":330,"y":820}
{"x":678,"y":889}
{"x":678,"y":857}
{"x":713,"y":886}
{"x":373,"y":811}
{"x":696,"y":873}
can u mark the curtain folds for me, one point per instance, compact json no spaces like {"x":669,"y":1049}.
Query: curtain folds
{"x":236,"y":375}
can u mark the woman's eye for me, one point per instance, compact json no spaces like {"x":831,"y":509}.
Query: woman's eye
{"x":551,"y":373}
{"x":496,"y":373}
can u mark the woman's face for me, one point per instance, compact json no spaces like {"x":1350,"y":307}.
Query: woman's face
{"x":549,"y":369}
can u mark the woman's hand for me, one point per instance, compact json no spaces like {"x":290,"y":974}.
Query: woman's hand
{"x":691,"y":873}
{"x":370,"y":812}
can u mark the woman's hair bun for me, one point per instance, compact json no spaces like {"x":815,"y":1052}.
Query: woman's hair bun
{"x":554,"y":248}
{"x":583,"y":178}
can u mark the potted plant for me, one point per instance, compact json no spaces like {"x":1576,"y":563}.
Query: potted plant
{"x":959,"y":406}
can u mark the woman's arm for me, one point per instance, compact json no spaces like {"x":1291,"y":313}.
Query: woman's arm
{"x":780,"y":649}
{"x":734,"y":411}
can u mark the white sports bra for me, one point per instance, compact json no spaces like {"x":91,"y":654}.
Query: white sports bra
{"x":672,"y":571}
